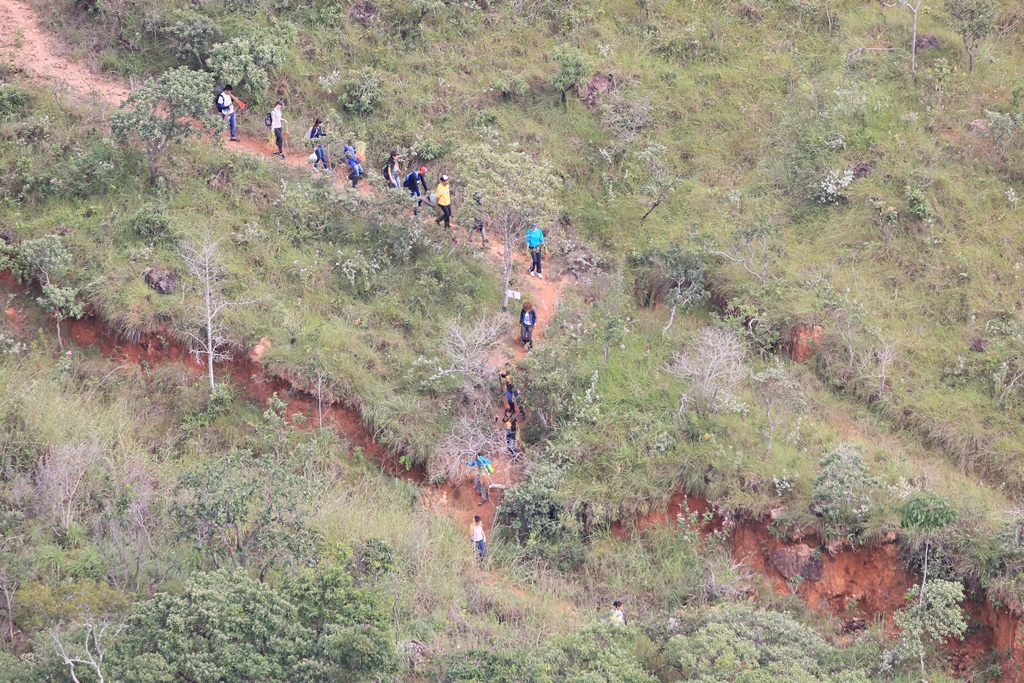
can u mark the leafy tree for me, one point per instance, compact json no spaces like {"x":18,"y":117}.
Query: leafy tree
{"x":973,"y":20}
{"x":243,"y":515}
{"x":47,"y":259}
{"x":842,"y":492}
{"x":165,"y":111}
{"x":223,"y":626}
{"x":509,"y":189}
{"x":670,"y":275}
{"x":530,"y":508}
{"x":736,"y":642}
{"x":574,"y":69}
{"x":926,"y":511}
{"x":245,"y":61}
{"x":933,"y":613}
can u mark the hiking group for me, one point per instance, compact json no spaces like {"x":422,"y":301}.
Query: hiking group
{"x":414,"y":180}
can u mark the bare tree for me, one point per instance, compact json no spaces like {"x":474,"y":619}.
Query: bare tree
{"x":778,"y":395}
{"x":59,"y":476}
{"x":661,"y":182}
{"x":913,"y":8}
{"x":470,"y":348}
{"x":755,"y":248}
{"x":874,"y":365}
{"x":210,"y":341}
{"x":713,"y":364}
{"x":99,"y":634}
{"x":471,"y":435}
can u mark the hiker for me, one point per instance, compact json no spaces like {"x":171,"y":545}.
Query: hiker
{"x":478,"y":222}
{"x":444,"y":202}
{"x":412,"y":183}
{"x":482,"y":483}
{"x":353,"y":161}
{"x":535,"y":241}
{"x":527,"y":319}
{"x":617,"y":618}
{"x":226,"y":107}
{"x":477,"y":535}
{"x":275,"y":123}
{"x":512,"y":396}
{"x":317,"y":131}
{"x":512,"y":437}
{"x":393,"y":171}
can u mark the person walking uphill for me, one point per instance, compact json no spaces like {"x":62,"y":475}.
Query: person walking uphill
{"x":276,"y":120}
{"x":483,"y":479}
{"x":393,"y":171}
{"x":352,"y":157}
{"x":477,"y":535}
{"x":412,"y":183}
{"x":527,"y":320}
{"x":535,"y":241}
{"x":314,"y":133}
{"x":226,"y":107}
{"x":444,"y":202}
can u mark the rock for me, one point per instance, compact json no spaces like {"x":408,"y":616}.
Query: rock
{"x":978,"y":127}
{"x":854,"y":624}
{"x":591,"y":92}
{"x":777,"y":513}
{"x":798,"y":560}
{"x":928,"y":41}
{"x":804,"y":341}
{"x":862,"y":168}
{"x":162,"y":280}
{"x":262,"y":346}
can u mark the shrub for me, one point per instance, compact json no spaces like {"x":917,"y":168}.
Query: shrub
{"x":511,"y":85}
{"x":736,"y":642}
{"x":361,"y":93}
{"x":713,"y":364}
{"x":12,"y":100}
{"x":842,"y":492}
{"x":917,"y":203}
{"x":192,"y":36}
{"x":574,"y":69}
{"x":530,"y":508}
{"x":246,"y":61}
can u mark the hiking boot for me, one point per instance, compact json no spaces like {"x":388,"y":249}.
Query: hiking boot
{"x":282,"y":156}
{"x":316,"y":170}
{"x":540,"y":276}
{"x":234,"y":140}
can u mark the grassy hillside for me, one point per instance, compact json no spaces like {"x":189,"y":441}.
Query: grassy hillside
{"x":752,"y":169}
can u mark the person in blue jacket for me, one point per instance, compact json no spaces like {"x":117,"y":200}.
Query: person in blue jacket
{"x":535,"y":241}
{"x":483,"y":475}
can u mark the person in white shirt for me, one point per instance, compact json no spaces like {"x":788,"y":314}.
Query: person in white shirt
{"x":226,"y":107}
{"x":275,"y":123}
{"x":477,"y":535}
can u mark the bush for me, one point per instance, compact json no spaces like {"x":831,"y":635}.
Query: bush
{"x":361,"y":93}
{"x":574,"y":68}
{"x":530,"y":507}
{"x":246,"y":61}
{"x":842,"y":492}
{"x":12,"y":100}
{"x":736,"y":642}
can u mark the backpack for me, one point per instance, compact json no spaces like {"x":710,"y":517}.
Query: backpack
{"x":412,"y":180}
{"x":216,"y":100}
{"x":268,"y":120}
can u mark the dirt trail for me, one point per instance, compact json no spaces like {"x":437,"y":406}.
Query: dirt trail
{"x":39,"y":55}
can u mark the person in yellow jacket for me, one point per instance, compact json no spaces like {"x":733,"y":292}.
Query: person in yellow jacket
{"x":444,"y":202}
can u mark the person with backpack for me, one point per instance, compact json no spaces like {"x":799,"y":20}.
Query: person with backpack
{"x":226,"y":106}
{"x":412,"y":183}
{"x":527,"y":321}
{"x":512,"y":397}
{"x":535,"y":241}
{"x":477,"y":535}
{"x":315,"y":133}
{"x":276,"y":120}
{"x":484,"y":468}
{"x":512,"y":437}
{"x":353,"y":163}
{"x":393,"y":171}
{"x":444,"y":202}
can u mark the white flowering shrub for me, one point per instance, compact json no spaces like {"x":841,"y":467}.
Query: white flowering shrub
{"x":832,"y":187}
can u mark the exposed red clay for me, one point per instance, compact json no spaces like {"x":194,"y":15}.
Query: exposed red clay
{"x":867,"y":582}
